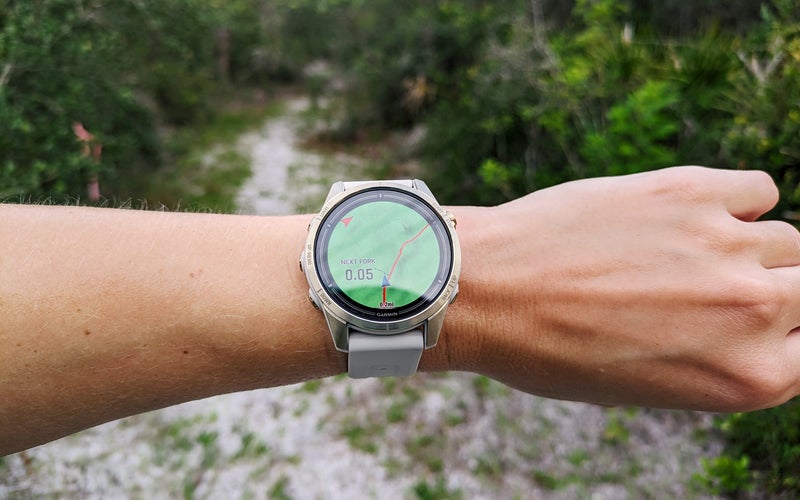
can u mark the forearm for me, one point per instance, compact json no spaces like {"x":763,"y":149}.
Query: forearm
{"x":659,"y":289}
{"x":108,"y":313}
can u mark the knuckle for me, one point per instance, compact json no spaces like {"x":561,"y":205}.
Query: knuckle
{"x":791,"y":235}
{"x":765,"y":181}
{"x":684,"y":183}
{"x":724,"y":241}
{"x":777,"y":232}
{"x":757,"y":303}
{"x":754,"y":371}
{"x":759,"y":385}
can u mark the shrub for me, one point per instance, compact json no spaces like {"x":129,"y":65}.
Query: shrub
{"x":762,"y":452}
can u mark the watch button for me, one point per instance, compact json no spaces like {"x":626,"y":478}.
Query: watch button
{"x":452,"y":218}
{"x":311,"y":299}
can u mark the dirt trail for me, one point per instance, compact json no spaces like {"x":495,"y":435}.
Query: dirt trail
{"x":287,"y":179}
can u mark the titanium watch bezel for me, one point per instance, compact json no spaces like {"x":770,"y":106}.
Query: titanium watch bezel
{"x":340,"y":315}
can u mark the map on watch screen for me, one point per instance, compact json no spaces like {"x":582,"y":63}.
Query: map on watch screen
{"x":383,"y":255}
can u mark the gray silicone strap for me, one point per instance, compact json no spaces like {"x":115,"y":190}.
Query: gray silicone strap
{"x":384,"y":355}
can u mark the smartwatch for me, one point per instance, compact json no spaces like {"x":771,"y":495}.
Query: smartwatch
{"x":382,"y":261}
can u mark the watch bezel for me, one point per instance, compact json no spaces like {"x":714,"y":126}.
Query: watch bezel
{"x":332,"y":304}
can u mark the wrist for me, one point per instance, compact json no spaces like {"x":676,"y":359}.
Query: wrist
{"x":289,"y":341}
{"x":471,"y":330}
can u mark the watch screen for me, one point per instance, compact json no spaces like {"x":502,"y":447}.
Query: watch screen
{"x":383,"y":253}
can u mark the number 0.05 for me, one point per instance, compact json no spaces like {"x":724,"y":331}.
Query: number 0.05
{"x":359,"y":275}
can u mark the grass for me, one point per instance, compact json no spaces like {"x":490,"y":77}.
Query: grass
{"x":436,"y":491}
{"x":312,"y":386}
{"x":402,"y":404}
{"x":278,"y":490}
{"x":251,"y":447}
{"x":203,"y":168}
{"x":427,"y":449}
{"x":363,"y":438}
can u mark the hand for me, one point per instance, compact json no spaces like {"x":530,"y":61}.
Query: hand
{"x":657,"y":289}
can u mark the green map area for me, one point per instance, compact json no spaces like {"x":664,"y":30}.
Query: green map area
{"x":383,"y":255}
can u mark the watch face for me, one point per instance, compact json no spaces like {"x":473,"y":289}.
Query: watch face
{"x":383,"y":254}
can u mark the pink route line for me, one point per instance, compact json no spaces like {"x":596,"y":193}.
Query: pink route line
{"x":402,"y":247}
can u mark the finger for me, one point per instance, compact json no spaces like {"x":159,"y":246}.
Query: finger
{"x":747,"y":194}
{"x":786,"y":298}
{"x":778,"y":243}
{"x":793,"y":355}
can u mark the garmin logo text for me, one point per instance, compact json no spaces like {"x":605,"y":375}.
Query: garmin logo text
{"x":386,"y":314}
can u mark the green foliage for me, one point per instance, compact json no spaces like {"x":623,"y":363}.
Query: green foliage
{"x":437,"y":491}
{"x":637,"y":133}
{"x":52,"y":76}
{"x":763,"y":448}
{"x":363,"y":438}
{"x":427,"y":449}
{"x":500,"y":177}
{"x":203,"y":166}
{"x":616,"y":431}
{"x":588,"y":102}
{"x":119,"y":68}
{"x":615,"y":87}
{"x":765,"y":103}
{"x":278,"y":489}
{"x":513,"y":98}
{"x":397,"y":69}
{"x":726,"y":475}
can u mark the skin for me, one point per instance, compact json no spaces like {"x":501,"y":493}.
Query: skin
{"x":657,"y":289}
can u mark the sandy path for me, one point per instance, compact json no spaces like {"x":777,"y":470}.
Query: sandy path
{"x":287,"y":179}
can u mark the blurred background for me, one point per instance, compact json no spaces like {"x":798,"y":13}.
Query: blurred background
{"x":256,"y":106}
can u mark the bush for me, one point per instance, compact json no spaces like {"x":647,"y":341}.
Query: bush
{"x":116,"y":67}
{"x":764,"y":109}
{"x":762,"y":452}
{"x":54,"y":74}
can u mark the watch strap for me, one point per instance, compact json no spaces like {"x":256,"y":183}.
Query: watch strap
{"x":384,"y":355}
